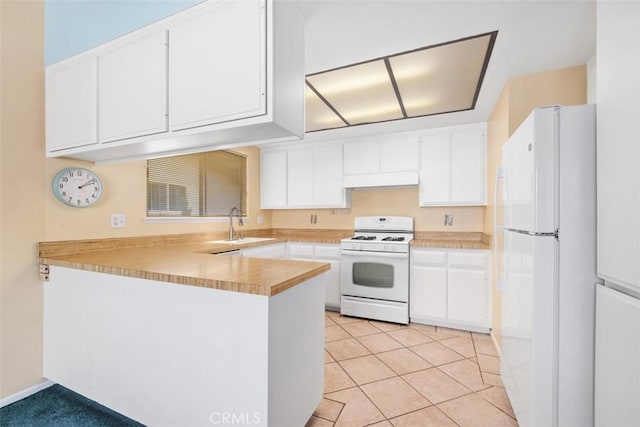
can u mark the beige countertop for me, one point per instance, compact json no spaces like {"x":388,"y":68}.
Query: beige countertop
{"x":196,"y":265}
{"x":190,"y":259}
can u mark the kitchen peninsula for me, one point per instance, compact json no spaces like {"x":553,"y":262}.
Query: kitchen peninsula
{"x":174,"y":334}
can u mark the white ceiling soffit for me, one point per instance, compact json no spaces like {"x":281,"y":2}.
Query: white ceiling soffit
{"x":534,"y":36}
{"x":437,"y":79}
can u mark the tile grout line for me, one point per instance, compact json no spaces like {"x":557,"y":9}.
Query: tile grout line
{"x":403,"y":346}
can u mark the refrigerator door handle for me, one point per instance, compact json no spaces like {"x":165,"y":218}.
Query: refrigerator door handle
{"x":498,"y":274}
{"x":534,"y":233}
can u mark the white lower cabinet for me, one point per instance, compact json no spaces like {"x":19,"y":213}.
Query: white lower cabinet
{"x":322,"y":252}
{"x":450,"y":288}
{"x":275,"y":250}
{"x":428,"y":283}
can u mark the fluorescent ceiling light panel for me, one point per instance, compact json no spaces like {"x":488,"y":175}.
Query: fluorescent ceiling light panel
{"x":318,"y":115}
{"x":360,"y":93}
{"x":442,"y":78}
{"x":450,"y":77}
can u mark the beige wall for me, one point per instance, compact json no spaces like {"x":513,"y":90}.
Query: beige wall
{"x":22,"y":195}
{"x":567,"y":86}
{"x":519,"y":97}
{"x":125,"y":192}
{"x":392,"y":201}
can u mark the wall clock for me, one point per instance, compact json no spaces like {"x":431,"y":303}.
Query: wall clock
{"x":77,"y":187}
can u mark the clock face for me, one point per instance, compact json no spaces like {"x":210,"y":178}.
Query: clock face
{"x":77,"y":187}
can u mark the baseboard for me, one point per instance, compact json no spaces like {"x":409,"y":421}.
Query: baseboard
{"x":448,"y":324}
{"x":25,"y":393}
{"x":496,"y":345}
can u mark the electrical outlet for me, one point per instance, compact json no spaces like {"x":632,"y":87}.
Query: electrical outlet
{"x":260,"y":219}
{"x":44,"y":272}
{"x":118,"y":220}
{"x":448,"y":220}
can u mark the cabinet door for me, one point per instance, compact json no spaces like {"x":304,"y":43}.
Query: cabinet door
{"x":71,"y":104}
{"x":276,"y":250}
{"x":300,"y":177}
{"x":361,"y":158}
{"x":428,"y":296}
{"x":300,"y":251}
{"x":327,"y":176}
{"x":328,"y":251}
{"x":401,"y":155}
{"x":332,"y":289}
{"x":467,"y":296}
{"x":435,"y":174}
{"x":217,"y":64}
{"x":132,"y":87}
{"x":468,"y":175}
{"x":273,"y":184}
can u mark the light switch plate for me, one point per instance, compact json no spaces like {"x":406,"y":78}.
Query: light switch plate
{"x":118,"y":220}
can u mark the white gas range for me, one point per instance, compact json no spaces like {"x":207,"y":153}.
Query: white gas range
{"x":375,"y":269}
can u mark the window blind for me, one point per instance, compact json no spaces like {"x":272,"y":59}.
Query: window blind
{"x":196,"y":185}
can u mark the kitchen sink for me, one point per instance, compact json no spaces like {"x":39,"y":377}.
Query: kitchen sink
{"x":243,"y":240}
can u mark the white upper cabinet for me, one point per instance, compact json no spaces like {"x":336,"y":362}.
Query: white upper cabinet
{"x":215,"y":64}
{"x":435,"y":176}
{"x":390,"y":161}
{"x":453,"y":167}
{"x":399,"y":155}
{"x":468,"y":164}
{"x":132,"y":88}
{"x":222,"y":72}
{"x":361,"y":158}
{"x":273,"y":181}
{"x":71,"y":104}
{"x":327,"y":176}
{"x":312,"y":177}
{"x":300,"y":177}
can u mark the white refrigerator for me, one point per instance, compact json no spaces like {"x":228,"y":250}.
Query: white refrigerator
{"x":546,"y":266}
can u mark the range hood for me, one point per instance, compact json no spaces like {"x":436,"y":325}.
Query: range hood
{"x":381,"y":180}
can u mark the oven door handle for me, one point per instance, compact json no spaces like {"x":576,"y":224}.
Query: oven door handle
{"x":383,"y":255}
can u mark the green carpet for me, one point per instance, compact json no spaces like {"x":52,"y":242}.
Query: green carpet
{"x":58,"y":406}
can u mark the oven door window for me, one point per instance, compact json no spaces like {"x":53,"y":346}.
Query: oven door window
{"x":373,"y":274}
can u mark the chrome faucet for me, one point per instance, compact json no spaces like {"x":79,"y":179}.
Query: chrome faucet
{"x":240,"y":223}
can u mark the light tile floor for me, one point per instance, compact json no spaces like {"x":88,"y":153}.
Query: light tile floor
{"x":384,"y":374}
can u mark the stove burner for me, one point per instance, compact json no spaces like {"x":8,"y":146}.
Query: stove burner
{"x":393,"y":239}
{"x":364,"y":238}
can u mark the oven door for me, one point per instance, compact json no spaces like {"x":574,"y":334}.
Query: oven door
{"x":379,"y":275}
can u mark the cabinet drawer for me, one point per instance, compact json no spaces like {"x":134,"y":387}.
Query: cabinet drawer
{"x":328,"y":251}
{"x":428,"y":257}
{"x":473,"y":260}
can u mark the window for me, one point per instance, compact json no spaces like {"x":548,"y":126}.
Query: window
{"x":196,"y":185}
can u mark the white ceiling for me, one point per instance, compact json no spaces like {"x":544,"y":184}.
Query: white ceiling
{"x":534,"y":36}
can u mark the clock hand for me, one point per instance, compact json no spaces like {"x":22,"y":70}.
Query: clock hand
{"x":91,"y":181}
